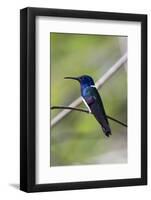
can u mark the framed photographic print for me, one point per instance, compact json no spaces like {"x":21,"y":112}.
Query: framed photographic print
{"x":83,"y":95}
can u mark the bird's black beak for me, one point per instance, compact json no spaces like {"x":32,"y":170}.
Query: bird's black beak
{"x":74,"y":78}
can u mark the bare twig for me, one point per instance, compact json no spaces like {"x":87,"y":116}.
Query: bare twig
{"x":86,"y":111}
{"x":98,"y":84}
{"x":70,"y":108}
{"x":116,"y":120}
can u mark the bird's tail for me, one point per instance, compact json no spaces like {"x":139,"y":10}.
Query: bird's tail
{"x":107,"y":131}
{"x":105,"y":126}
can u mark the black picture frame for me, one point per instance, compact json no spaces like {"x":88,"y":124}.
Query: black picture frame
{"x":28,"y":99}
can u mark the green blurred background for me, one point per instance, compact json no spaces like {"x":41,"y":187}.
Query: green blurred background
{"x":78,"y":138}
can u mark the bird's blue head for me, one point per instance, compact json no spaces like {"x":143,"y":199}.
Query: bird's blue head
{"x":85,"y":80}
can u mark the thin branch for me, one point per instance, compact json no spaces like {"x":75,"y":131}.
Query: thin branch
{"x":70,"y":108}
{"x":86,"y":111}
{"x":116,"y":120}
{"x":98,"y":84}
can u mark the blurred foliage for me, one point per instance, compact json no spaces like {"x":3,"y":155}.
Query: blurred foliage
{"x":78,"y":138}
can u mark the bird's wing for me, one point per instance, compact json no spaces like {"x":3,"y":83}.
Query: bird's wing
{"x":96,"y":100}
{"x":90,"y":100}
{"x":97,"y":109}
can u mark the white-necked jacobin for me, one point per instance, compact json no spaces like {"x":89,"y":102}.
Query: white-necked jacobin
{"x":93,"y":101}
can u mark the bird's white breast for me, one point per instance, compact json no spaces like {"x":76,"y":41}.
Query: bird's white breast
{"x":86,"y":104}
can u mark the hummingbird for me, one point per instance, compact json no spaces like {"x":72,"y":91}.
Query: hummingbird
{"x":93,"y":101}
